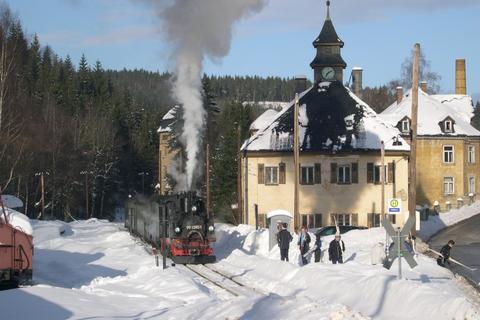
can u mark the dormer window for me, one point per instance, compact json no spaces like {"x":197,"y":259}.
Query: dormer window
{"x":447,"y":125}
{"x":405,"y":126}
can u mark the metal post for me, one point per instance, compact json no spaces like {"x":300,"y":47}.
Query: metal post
{"x":382,"y":175}
{"x":164,"y":253}
{"x":42,"y":183}
{"x":256,"y":216}
{"x":399,"y":254}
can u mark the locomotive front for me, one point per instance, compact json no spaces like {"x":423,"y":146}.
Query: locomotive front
{"x":192,"y":229}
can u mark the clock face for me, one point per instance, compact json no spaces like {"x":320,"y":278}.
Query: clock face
{"x":328,"y":73}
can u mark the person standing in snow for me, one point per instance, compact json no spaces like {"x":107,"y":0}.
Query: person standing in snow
{"x":304,"y":244}
{"x":445,"y":251}
{"x":318,"y":247}
{"x":336,"y":249}
{"x":283,"y":239}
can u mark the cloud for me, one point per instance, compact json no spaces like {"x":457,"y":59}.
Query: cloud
{"x":307,"y":13}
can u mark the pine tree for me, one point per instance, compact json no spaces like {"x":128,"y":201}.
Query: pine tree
{"x":476,"y":116}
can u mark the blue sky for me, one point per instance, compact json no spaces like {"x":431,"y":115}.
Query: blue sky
{"x":378,"y":35}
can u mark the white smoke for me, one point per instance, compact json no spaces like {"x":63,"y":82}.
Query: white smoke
{"x":198,"y":29}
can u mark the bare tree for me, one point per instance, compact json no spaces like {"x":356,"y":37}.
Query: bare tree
{"x":426,"y":74}
{"x":8,"y":48}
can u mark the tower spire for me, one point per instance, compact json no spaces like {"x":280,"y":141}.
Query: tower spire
{"x":328,"y":9}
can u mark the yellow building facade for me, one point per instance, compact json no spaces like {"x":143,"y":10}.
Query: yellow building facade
{"x":328,"y":196}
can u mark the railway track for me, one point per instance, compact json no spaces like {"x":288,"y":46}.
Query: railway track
{"x":223,"y":281}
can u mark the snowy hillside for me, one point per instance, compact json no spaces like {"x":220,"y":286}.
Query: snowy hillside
{"x":94,"y":269}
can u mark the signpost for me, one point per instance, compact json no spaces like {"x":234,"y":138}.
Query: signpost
{"x":394,"y":206}
{"x":398,"y":237}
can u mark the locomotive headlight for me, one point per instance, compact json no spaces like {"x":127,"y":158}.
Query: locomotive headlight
{"x":177,"y":230}
{"x":211,"y":228}
{"x":194,"y":209}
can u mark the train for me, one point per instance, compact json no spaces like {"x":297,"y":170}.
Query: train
{"x":178,"y":224}
{"x":16,"y":248}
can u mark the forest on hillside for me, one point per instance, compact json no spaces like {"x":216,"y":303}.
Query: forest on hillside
{"x":90,"y":134}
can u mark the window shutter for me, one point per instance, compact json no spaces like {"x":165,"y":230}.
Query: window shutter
{"x":355,"y":219}
{"x":354,"y":172}
{"x":333,"y":172}
{"x":281,"y":178}
{"x":261,"y":173}
{"x":318,"y":173}
{"x":370,"y":172}
{"x":391,"y":172}
{"x":370,"y":219}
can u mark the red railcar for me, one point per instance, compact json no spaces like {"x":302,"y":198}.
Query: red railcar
{"x":16,"y":249}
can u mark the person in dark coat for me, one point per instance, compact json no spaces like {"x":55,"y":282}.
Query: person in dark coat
{"x":304,"y":244}
{"x":445,"y":251}
{"x":318,"y":247}
{"x":336,"y":249}
{"x":283,"y":239}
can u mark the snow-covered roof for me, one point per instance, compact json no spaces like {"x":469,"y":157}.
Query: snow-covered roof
{"x":432,"y":111}
{"x":463,"y":104}
{"x":168,"y":119}
{"x":18,"y":220}
{"x":263,"y":120}
{"x":331,"y":119}
{"x":268,"y":104}
{"x":11,"y":201}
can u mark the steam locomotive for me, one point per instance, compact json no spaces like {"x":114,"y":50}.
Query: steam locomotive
{"x":190,"y":231}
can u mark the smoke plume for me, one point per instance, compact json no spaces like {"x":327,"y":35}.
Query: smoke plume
{"x":198,"y":29}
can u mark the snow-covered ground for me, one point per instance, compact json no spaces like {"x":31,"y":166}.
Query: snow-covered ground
{"x":445,"y":219}
{"x":95,"y":270}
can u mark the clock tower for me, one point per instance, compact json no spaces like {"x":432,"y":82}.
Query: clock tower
{"x":328,"y":64}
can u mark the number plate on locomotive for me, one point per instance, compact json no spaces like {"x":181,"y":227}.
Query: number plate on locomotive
{"x":194,"y":227}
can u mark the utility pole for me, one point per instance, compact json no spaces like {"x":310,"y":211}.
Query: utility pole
{"x":296,"y":163}
{"x":412,"y":193}
{"x":239,"y":174}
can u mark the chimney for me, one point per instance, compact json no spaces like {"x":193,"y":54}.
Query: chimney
{"x":423,"y":86}
{"x":300,"y":83}
{"x":357,"y":81}
{"x":460,"y":77}
{"x":399,"y":94}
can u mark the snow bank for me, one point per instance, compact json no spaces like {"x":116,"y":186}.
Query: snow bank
{"x":18,"y":220}
{"x":427,"y":292}
{"x":436,"y":223}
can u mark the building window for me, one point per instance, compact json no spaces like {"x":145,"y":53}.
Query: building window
{"x":308,"y":221}
{"x":448,"y":156}
{"x":306,"y":175}
{"x":448,"y":185}
{"x":318,"y":220}
{"x":471,"y":154}
{"x":448,"y":126}
{"x":377,"y":176}
{"x":343,"y":174}
{"x":405,"y":126}
{"x":471,"y":185}
{"x":374,"y":220}
{"x":341,"y":219}
{"x":271,"y":175}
